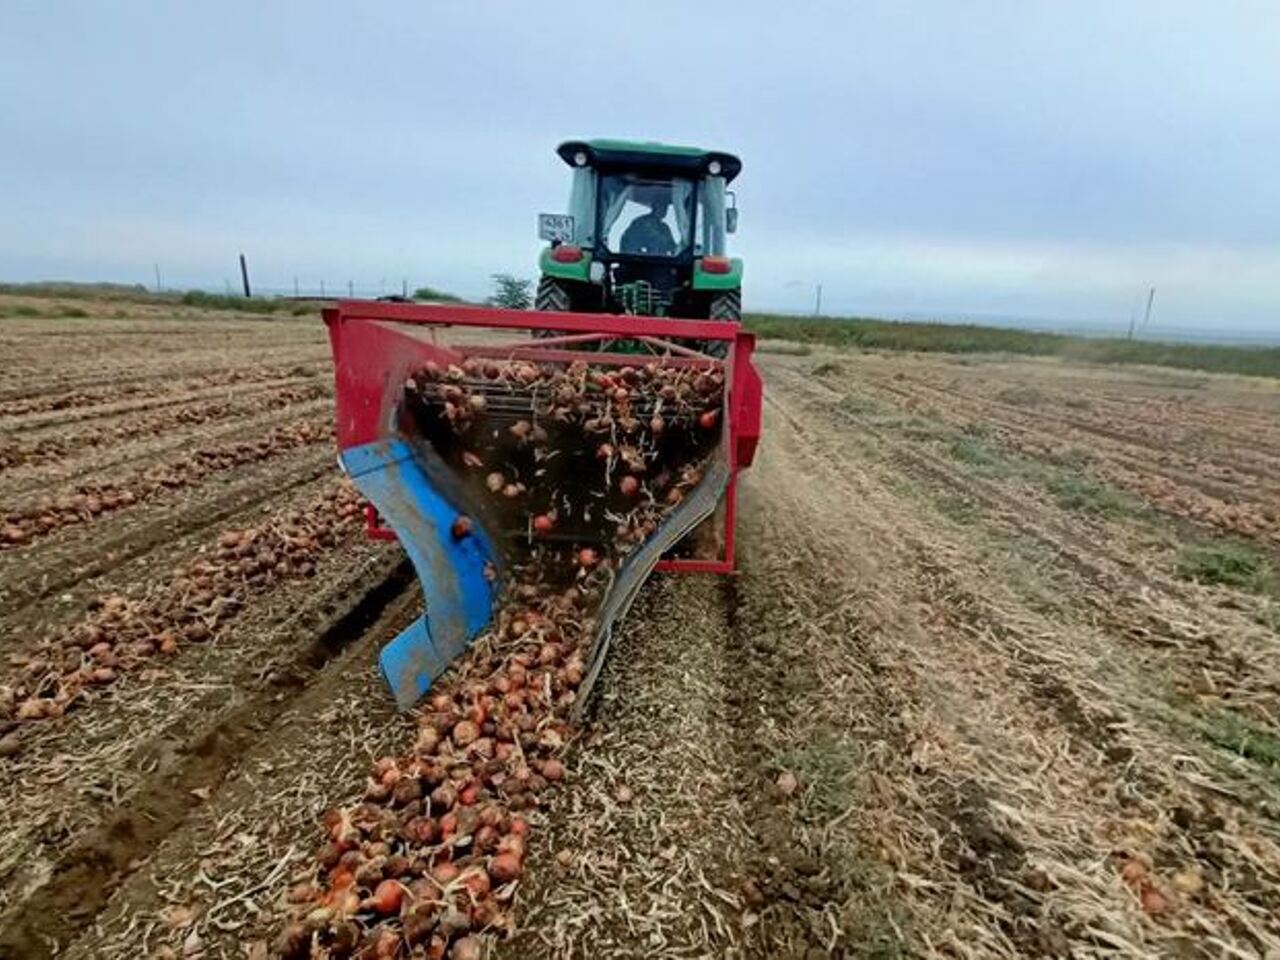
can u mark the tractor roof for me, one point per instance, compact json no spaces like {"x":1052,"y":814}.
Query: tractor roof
{"x":648,"y":156}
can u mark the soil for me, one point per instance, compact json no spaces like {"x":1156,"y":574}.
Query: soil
{"x":964,"y":697}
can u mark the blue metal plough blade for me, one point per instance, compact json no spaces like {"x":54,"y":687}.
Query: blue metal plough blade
{"x":458,"y":594}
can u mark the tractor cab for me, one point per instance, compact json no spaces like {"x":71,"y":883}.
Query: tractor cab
{"x":645,"y":233}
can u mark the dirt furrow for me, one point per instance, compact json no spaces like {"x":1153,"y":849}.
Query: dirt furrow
{"x":168,"y":810}
{"x":968,"y":664}
{"x":190,"y":406}
{"x":65,"y":567}
{"x":28,"y":524}
{"x":1232,"y":501}
{"x":102,"y":389}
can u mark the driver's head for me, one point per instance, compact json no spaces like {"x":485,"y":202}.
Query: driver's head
{"x":657,"y":197}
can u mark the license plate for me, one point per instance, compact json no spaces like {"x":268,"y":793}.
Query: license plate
{"x":554,"y":227}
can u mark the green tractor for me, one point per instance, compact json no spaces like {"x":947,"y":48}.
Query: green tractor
{"x":645,"y":233}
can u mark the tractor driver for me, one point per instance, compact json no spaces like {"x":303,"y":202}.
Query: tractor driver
{"x":649,"y":233}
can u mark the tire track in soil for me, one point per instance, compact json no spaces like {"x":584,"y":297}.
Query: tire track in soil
{"x":85,"y":877}
{"x":946,"y":812}
{"x":218,"y":877}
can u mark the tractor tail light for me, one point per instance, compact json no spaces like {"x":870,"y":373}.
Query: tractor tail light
{"x":566,"y":253}
{"x":715,"y":264}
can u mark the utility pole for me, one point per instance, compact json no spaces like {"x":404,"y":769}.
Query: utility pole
{"x":322,"y":288}
{"x":351,"y":290}
{"x":817,"y":305}
{"x":158,"y":286}
{"x":244,"y":275}
{"x":404,"y":287}
{"x":1151,"y":296}
{"x":295,"y":285}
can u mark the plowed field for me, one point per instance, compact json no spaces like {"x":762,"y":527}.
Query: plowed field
{"x":999,"y":675}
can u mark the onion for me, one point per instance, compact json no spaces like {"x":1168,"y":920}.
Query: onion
{"x":465,"y":732}
{"x":543,"y":524}
{"x":505,"y":867}
{"x":445,"y":872}
{"x":468,"y":948}
{"x":428,"y":740}
{"x":387,"y":897}
{"x":495,"y":481}
{"x":477,"y":882}
{"x":629,"y":486}
{"x":444,"y":797}
{"x":461,"y":527}
{"x":513,"y":843}
{"x":486,"y":838}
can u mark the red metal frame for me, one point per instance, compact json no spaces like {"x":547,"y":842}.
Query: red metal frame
{"x":372,"y":358}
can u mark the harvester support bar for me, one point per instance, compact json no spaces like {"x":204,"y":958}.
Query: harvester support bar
{"x":607,"y":323}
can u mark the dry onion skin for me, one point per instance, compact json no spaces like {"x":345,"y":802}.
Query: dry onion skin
{"x":574,"y":466}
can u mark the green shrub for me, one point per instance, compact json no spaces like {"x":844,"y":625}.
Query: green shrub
{"x":1075,"y":492}
{"x":870,"y":334}
{"x":1231,"y":565}
{"x":431,"y":293}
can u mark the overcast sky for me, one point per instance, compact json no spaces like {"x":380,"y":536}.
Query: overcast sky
{"x":1046,"y":160}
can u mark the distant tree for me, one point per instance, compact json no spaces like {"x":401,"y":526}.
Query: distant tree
{"x":431,"y":293}
{"x":511,"y":292}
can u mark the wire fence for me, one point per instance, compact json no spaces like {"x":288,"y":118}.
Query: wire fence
{"x":326,"y":289}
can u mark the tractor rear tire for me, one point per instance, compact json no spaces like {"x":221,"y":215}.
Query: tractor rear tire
{"x":727,"y":306}
{"x":552,"y":297}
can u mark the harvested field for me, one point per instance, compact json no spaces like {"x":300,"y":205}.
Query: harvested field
{"x":999,"y":675}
